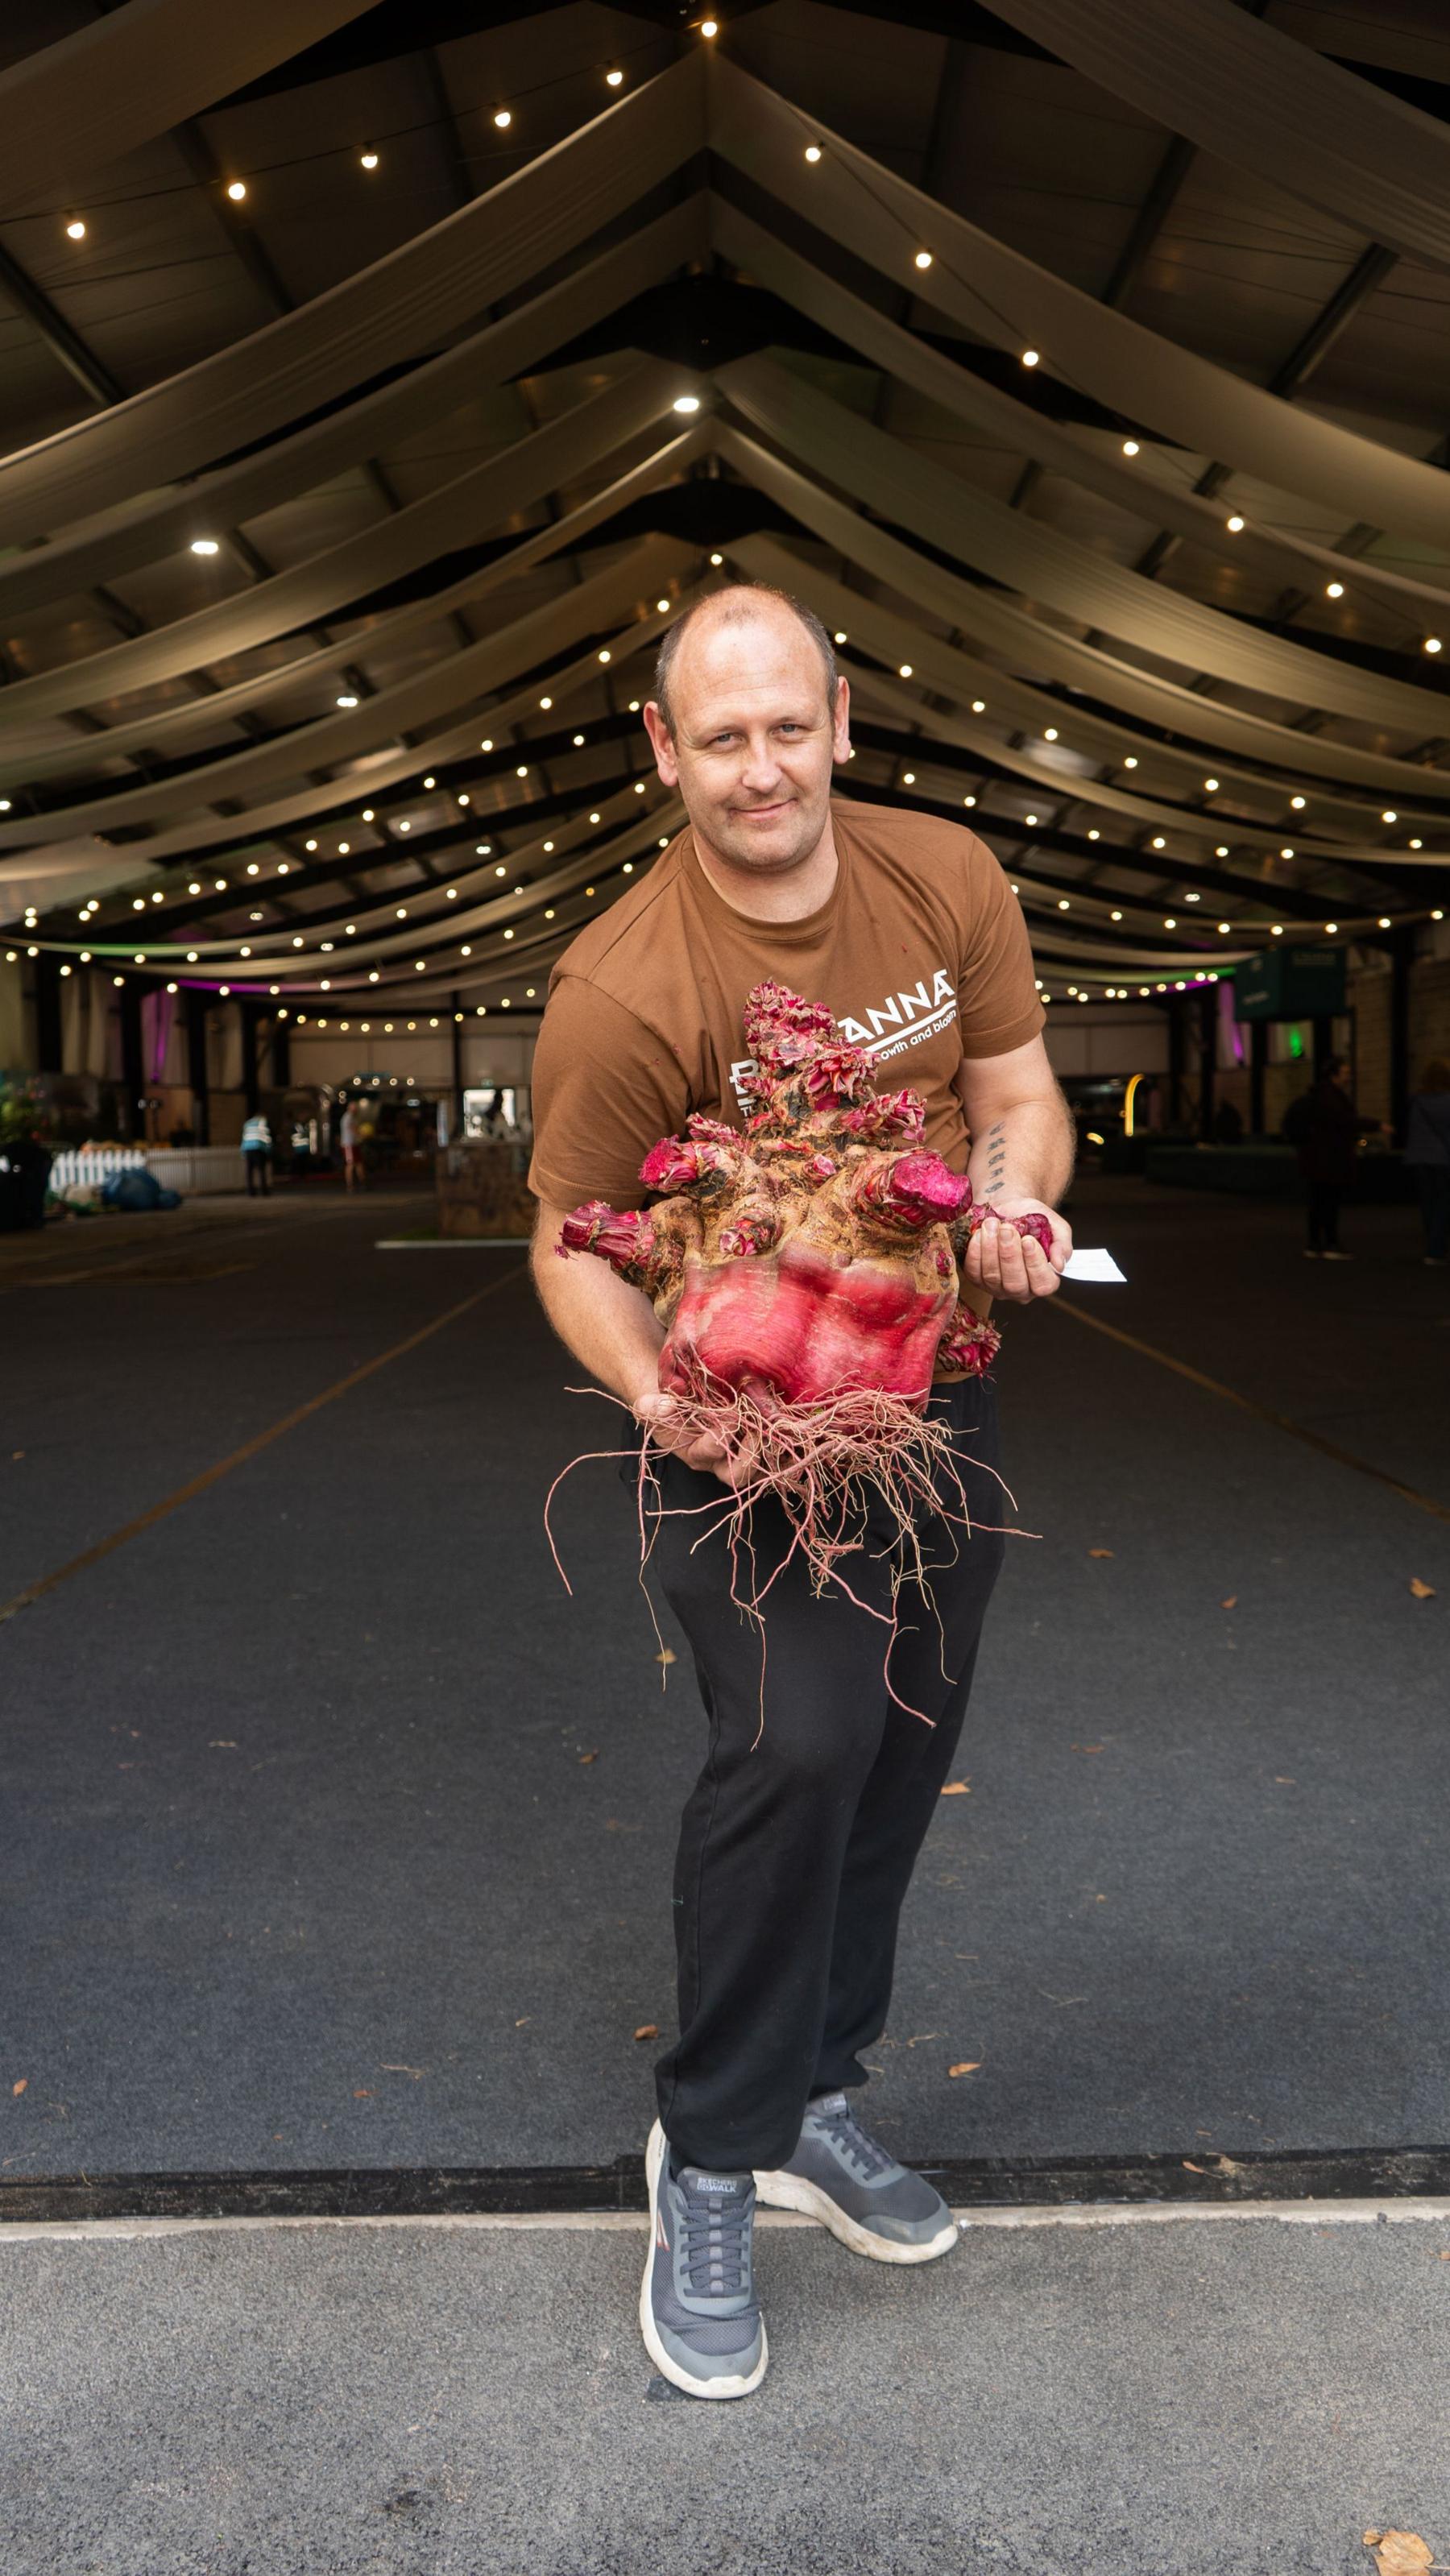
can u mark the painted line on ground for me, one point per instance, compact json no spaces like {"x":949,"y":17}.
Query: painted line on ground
{"x":1264,"y":1412}
{"x":212,"y":1475}
{"x":1291,"y":2213}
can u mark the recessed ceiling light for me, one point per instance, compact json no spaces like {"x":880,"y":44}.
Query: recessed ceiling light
{"x":347,"y":699}
{"x":1334,"y":590}
{"x":686,"y":402}
{"x":923,"y":259}
{"x":813,"y":151}
{"x":1031,"y":357}
{"x":1130,"y":447}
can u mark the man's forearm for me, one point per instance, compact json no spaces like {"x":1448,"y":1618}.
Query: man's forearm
{"x":611,"y":1328}
{"x":1026,"y":1152}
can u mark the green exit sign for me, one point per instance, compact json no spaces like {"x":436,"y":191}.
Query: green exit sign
{"x":1290,"y":984}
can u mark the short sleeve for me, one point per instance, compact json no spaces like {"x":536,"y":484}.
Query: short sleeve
{"x":997,"y":1001}
{"x":605,"y":1088}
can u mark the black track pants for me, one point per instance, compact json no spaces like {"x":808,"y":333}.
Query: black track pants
{"x":796,"y":1850}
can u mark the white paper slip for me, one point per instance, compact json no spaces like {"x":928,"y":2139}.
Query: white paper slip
{"x":1091,"y":1265}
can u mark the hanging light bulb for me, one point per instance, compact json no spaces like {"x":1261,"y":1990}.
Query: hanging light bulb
{"x":1234,"y":525}
{"x":614,"y":77}
{"x":813,"y":151}
{"x":1031,"y":358}
{"x":1130,"y":447}
{"x":1334,"y":590}
{"x":236,"y":190}
{"x":75,"y":230}
{"x":369,"y":160}
{"x":503,"y":118}
{"x":923,"y":259}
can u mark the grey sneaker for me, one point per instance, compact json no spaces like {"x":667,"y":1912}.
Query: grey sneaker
{"x":697,"y":2309}
{"x":841,"y":2176}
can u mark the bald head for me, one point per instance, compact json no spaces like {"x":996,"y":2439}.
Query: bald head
{"x":738,"y":603}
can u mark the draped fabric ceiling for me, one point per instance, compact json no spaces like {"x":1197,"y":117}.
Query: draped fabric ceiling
{"x":1171,"y":785}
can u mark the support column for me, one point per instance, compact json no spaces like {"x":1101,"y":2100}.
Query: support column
{"x":455,"y":1124}
{"x":133,"y":1061}
{"x":1258,"y":1059}
{"x":196,"y":1073}
{"x":1402,"y":958}
{"x":1175,"y":1065}
{"x":47,"y":1013}
{"x":251,"y":1087}
{"x":1207,"y":1058}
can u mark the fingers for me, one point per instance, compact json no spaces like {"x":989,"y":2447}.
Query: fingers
{"x":1013,"y":1265}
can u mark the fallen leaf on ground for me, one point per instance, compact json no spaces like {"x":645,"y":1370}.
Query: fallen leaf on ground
{"x":415,"y":2071}
{"x":666,"y":1655}
{"x":1283,"y":1780}
{"x":20,"y":2087}
{"x":523,"y":2017}
{"x":1087,"y":1748}
{"x":1231,"y":1603}
{"x":1190,"y":2167}
{"x":968,"y":2066}
{"x":1100,"y":1551}
{"x":921,"y":2035}
{"x":589,"y":1757}
{"x":648,"y":2030}
{"x":362,"y":2093}
{"x":1421,"y":1591}
{"x":957,"y":1789}
{"x":1399,"y":2553}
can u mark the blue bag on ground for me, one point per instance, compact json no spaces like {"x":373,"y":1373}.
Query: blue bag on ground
{"x":136,"y":1190}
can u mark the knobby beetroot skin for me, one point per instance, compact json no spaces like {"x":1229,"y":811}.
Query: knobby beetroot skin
{"x":813,"y":1255}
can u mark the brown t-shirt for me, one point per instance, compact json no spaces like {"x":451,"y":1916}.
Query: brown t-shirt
{"x":920,"y":951}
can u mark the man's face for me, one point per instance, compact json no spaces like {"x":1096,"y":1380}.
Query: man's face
{"x":754,"y":738}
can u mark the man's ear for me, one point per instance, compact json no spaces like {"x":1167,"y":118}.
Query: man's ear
{"x":661,"y":743}
{"x":841,"y":734}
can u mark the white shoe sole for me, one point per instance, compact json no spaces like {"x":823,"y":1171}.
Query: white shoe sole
{"x":792,"y":2191}
{"x":743,"y":2382}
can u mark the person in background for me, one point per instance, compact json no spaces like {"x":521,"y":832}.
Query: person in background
{"x":349,"y":1136}
{"x":1326,"y":1136}
{"x":257,"y":1154}
{"x":1427,"y":1152}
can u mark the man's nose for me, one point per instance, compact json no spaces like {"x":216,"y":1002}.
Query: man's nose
{"x":762,"y":769}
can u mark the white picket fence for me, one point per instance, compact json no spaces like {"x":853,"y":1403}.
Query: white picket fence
{"x":188,"y":1168}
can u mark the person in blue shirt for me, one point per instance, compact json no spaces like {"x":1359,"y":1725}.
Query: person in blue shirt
{"x":257,"y":1155}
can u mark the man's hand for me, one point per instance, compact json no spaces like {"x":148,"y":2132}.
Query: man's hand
{"x":660,"y":1416}
{"x":1009,"y":1264}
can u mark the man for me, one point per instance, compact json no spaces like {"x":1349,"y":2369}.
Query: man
{"x":257,"y":1154}
{"x":1324,"y":1128}
{"x":795,"y":1850}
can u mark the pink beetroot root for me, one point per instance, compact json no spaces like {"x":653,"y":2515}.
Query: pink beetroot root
{"x":806,"y":1274}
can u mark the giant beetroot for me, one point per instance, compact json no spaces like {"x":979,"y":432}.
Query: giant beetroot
{"x":806,"y":1274}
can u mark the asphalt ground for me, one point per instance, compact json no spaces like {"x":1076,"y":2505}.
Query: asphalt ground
{"x":306,"y":1867}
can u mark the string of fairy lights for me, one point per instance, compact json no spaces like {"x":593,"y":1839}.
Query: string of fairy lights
{"x":246,"y":961}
